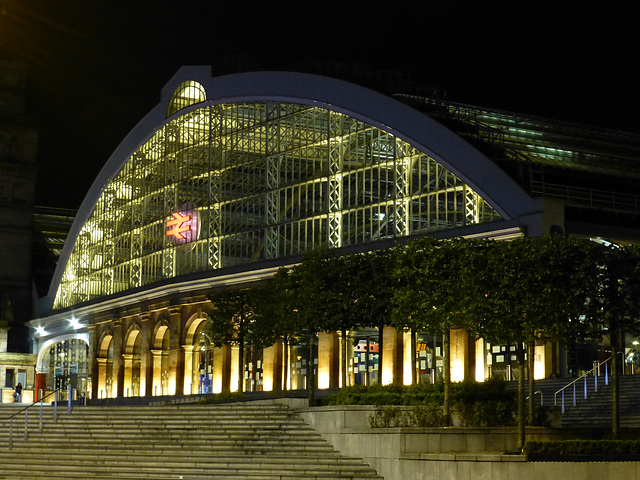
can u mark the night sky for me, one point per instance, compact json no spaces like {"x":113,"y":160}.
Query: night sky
{"x":96,"y":67}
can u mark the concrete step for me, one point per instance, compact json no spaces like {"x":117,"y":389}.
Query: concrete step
{"x":189,"y":442}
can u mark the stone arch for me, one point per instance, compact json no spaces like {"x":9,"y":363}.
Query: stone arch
{"x":160,"y":349}
{"x":199,"y":353}
{"x":104,"y":357}
{"x":64,"y":358}
{"x":132,"y":361}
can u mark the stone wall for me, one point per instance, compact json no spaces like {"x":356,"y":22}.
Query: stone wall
{"x":454,"y":453}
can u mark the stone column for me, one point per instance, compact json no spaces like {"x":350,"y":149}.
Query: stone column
{"x":272,"y":367}
{"x":176,"y":353}
{"x":99,"y":383}
{"x":328,"y":364}
{"x":156,"y":382}
{"x":222,"y":369}
{"x":189,"y":381}
{"x":94,"y":369}
{"x":118,"y":362}
{"x":127,"y":386}
{"x":391,"y":357}
{"x":146,"y":357}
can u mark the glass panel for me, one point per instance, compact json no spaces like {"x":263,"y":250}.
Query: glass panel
{"x":233,"y":184}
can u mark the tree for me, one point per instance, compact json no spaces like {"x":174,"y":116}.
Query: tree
{"x":231,"y":322}
{"x":429,"y":295}
{"x":276,"y":317}
{"x":312,"y":301}
{"x":360,"y":295}
{"x":617,"y":308}
{"x":526,"y":291}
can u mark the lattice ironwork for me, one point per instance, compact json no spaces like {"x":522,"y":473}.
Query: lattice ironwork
{"x":265,"y":180}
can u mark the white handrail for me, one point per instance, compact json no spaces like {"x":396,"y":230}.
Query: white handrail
{"x":584,"y":376}
{"x":26,"y":415}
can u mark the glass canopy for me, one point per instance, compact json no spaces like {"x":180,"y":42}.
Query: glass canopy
{"x":231,"y":184}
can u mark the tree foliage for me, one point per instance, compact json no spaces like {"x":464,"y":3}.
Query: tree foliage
{"x":232,"y":319}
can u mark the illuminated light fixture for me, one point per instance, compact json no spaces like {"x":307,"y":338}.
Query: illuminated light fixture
{"x":74,"y":323}
{"x":41,"y":331}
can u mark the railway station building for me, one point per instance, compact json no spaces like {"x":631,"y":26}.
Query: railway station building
{"x":229,"y":178}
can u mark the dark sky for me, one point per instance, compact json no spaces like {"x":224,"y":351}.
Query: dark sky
{"x":96,"y":67}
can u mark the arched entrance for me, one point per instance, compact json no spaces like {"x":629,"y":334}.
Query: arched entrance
{"x":105,"y":366}
{"x":66,"y":365}
{"x":199,"y":357}
{"x":131,"y":355}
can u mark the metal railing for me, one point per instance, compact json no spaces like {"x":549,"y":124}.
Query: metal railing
{"x":541,"y":397}
{"x":595,"y":371}
{"x":41,"y":417}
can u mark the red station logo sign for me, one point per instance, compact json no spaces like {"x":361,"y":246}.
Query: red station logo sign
{"x":183,"y":226}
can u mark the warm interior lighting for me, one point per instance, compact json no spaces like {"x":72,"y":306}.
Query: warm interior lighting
{"x":480,"y":360}
{"x":538,"y":364}
{"x":406,"y":371}
{"x":234,"y":369}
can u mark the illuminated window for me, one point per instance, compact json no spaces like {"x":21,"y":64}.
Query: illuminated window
{"x":67,"y":360}
{"x":188,"y":93}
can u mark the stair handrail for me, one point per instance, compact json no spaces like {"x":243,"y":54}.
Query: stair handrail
{"x":26,"y":414}
{"x":584,"y":376}
{"x":541,"y":396}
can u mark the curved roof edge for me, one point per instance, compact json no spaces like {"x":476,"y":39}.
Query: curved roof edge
{"x":406,"y":123}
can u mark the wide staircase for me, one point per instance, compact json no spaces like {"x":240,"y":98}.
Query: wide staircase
{"x":594,"y":411}
{"x":188,"y":442}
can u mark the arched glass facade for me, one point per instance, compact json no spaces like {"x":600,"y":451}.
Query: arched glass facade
{"x":67,"y":361}
{"x":230,"y":184}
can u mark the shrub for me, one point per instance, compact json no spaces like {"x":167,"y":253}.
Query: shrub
{"x":582,"y":447}
{"x":485,"y":404}
{"x":489,"y":413}
{"x":427,"y":415}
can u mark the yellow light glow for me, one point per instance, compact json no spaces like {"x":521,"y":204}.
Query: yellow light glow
{"x":234,"y":369}
{"x":406,"y":371}
{"x":538,"y":364}
{"x":480,"y":360}
{"x":387,"y":374}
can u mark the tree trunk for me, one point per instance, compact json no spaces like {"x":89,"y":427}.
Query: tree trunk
{"x":521,"y":406}
{"x":615,"y":417}
{"x":285,"y":360}
{"x":531,"y":354}
{"x":241,"y":364}
{"x":446,"y":374}
{"x":414,"y":376}
{"x":311,"y":380}
{"x":343,"y":365}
